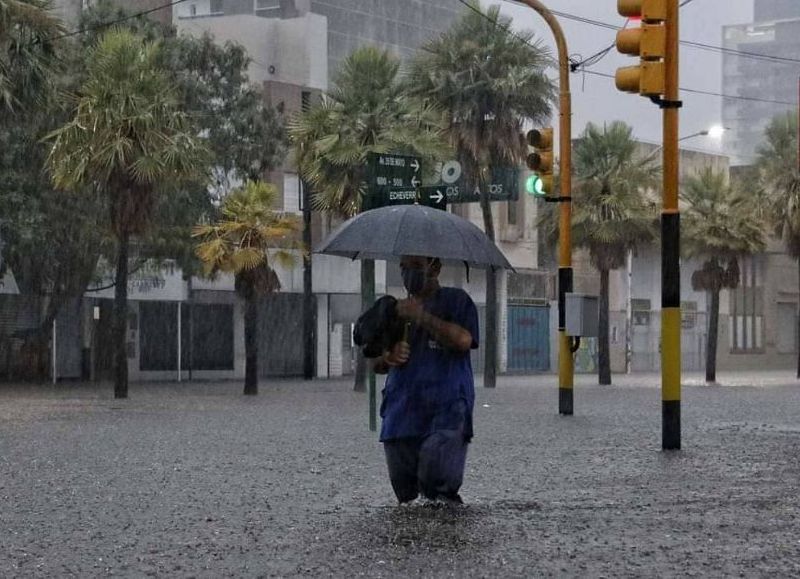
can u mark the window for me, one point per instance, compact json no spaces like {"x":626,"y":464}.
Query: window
{"x":641,"y":312}
{"x":193,"y":10}
{"x":688,"y":315}
{"x":267,"y":7}
{"x":216,"y":7}
{"x":747,"y":308}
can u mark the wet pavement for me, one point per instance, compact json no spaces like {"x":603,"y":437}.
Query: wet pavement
{"x":196,"y":480}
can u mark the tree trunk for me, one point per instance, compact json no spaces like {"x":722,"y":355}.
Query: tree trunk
{"x":121,"y":319}
{"x":367,"y":299}
{"x":251,"y":345}
{"x":713,"y":333}
{"x":603,"y":349}
{"x":309,"y":304}
{"x":490,"y":329}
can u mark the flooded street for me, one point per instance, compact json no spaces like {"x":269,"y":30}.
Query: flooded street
{"x":196,"y":480}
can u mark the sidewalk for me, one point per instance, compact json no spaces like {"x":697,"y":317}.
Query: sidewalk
{"x":195,"y":480}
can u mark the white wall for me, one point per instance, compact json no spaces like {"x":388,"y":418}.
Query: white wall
{"x":292,"y":51}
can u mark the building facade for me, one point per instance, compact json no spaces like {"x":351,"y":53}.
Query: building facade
{"x":400,"y":27}
{"x":70,"y":10}
{"x":757,"y":321}
{"x":775,"y":32}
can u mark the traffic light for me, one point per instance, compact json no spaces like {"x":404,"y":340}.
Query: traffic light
{"x":648,"y":42}
{"x":540,"y":161}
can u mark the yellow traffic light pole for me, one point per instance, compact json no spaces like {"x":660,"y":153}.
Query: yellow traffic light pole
{"x":670,"y":244}
{"x":656,"y":42}
{"x":566,"y":368}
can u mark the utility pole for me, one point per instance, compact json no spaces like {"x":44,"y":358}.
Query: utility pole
{"x":566,"y":365}
{"x":656,"y":42}
{"x":309,"y":303}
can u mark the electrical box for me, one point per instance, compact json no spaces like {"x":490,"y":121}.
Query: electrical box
{"x":582,"y":315}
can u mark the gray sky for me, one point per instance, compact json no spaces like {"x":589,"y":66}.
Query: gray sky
{"x":596,"y":99}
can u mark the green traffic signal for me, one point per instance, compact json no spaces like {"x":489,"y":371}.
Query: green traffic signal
{"x":534,"y":185}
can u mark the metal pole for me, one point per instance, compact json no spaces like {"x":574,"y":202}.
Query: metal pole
{"x":309,"y":302}
{"x":55,"y":354}
{"x":670,"y":246}
{"x":566,"y":366}
{"x":180,"y":335}
{"x":629,"y":316}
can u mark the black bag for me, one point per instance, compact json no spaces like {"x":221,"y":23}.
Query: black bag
{"x":379,"y":328}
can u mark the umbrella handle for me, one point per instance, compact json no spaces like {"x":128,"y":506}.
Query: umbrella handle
{"x":406,"y":331}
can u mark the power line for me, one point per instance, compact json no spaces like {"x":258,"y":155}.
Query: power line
{"x":708,"y":93}
{"x":698,"y":45}
{"x":102,"y":25}
{"x":601,"y":54}
{"x":611,"y":76}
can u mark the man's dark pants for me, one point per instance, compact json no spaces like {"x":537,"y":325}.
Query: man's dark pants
{"x":433,"y":465}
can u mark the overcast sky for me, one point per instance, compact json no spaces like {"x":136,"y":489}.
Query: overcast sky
{"x":596,"y":99}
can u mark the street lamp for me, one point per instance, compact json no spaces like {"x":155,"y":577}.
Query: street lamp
{"x":716,"y":132}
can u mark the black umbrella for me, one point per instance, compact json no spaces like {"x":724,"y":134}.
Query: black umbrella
{"x":398,"y":230}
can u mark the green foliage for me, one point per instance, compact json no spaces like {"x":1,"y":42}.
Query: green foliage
{"x":245,"y":135}
{"x":489,"y":80}
{"x":613,"y":212}
{"x":128,"y":136}
{"x":779,"y":179}
{"x":52,"y":238}
{"x":248,"y":238}
{"x":366,"y":111}
{"x":28,"y":44}
{"x":719,"y":224}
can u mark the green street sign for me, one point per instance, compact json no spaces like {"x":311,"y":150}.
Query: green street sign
{"x":428,"y":196}
{"x":502,"y":187}
{"x":389,"y":171}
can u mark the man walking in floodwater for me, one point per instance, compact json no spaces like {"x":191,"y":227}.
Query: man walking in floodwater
{"x":430,"y":393}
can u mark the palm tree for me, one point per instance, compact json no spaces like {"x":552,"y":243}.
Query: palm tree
{"x":129,"y":140}
{"x":366,"y":111}
{"x":779,"y":179}
{"x":246,"y":241}
{"x":28,"y":36}
{"x":612,"y":212}
{"x":719,"y":226}
{"x":490,"y":80}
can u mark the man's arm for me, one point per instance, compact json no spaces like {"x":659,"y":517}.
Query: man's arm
{"x":450,"y":335}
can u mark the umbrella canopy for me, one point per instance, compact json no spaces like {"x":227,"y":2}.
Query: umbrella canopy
{"x":398,"y":230}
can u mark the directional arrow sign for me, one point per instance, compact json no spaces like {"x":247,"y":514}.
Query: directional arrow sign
{"x":389,"y":171}
{"x":415,"y":182}
{"x":435,"y":197}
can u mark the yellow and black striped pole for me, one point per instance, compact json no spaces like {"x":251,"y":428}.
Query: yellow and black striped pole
{"x":670,"y":246}
{"x":566,"y":366}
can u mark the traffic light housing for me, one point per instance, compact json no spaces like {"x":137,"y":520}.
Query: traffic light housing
{"x":648,"y":42}
{"x":540,"y":161}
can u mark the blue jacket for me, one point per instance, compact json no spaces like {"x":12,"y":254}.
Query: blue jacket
{"x":423,"y":395}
